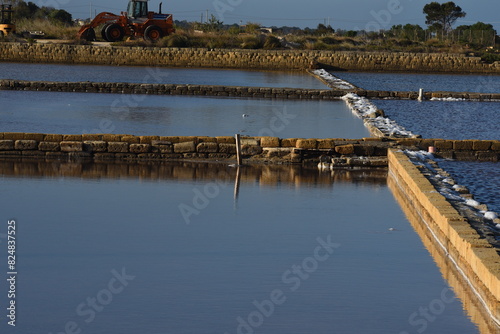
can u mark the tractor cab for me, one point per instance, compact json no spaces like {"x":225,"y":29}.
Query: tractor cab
{"x":137,"y":9}
{"x":6,"y":25}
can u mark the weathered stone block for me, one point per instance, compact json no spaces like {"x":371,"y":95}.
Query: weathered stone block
{"x":465,"y":155}
{"x":72,"y":137}
{"x":487,"y":156}
{"x":289,"y":142}
{"x":326,"y":144}
{"x":462,"y":145}
{"x":250,"y":141}
{"x":13,"y":135}
{"x":172,"y":139}
{"x":34,"y":136}
{"x":149,"y":156}
{"x":364,"y":150}
{"x":227,"y":148}
{"x":92,"y":137}
{"x":33,"y":154}
{"x":207,"y":148}
{"x":345,"y":149}
{"x":139,"y":148}
{"x":251,"y":150}
{"x":95,"y":146}
{"x":481,"y":145}
{"x":207,"y":140}
{"x":53,"y":138}
{"x":148,"y":139}
{"x":111,"y":138}
{"x":71,"y":146}
{"x":311,"y":144}
{"x":131,"y":139}
{"x":185,"y":147}
{"x":26,"y":145}
{"x":444,"y":144}
{"x":495,"y":145}
{"x":269,"y":142}
{"x":117,"y":147}
{"x":47,"y":146}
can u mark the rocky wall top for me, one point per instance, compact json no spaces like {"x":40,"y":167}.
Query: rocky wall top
{"x":244,"y":59}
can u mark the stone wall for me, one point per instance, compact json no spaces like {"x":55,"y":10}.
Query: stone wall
{"x":110,"y":147}
{"x":172,"y":89}
{"x":476,"y":258}
{"x":466,"y":150}
{"x":229,"y":91}
{"x":333,"y":152}
{"x":244,"y":59}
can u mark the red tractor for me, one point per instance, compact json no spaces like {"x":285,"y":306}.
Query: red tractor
{"x":137,"y":21}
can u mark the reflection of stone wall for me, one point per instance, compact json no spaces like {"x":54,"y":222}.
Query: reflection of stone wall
{"x":247,"y":59}
{"x":477,"y":258}
{"x":264,"y":175}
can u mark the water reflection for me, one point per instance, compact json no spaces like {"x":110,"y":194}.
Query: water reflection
{"x":470,"y":302}
{"x":263,"y":175}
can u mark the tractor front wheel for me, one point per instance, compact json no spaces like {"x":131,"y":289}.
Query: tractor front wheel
{"x":153,"y":33}
{"x":88,"y":35}
{"x":114,"y":33}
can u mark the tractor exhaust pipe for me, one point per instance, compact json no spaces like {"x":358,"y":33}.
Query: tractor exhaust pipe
{"x":161,"y":3}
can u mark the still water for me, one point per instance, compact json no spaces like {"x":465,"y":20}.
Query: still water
{"x":429,"y":82}
{"x":447,"y":120}
{"x":158,"y":75}
{"x":482,"y":179}
{"x":78,"y":113}
{"x":292,"y":253}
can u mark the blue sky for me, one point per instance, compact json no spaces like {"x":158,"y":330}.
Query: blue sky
{"x":344,"y":14}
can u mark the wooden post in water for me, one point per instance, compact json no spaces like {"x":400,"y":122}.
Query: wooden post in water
{"x":421,"y":94}
{"x":239,"y":160}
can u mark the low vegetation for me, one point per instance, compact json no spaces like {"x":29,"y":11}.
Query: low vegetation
{"x":478,"y":39}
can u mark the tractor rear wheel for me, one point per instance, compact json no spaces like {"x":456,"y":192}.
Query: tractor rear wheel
{"x":89,"y":35}
{"x":153,"y":33}
{"x":114,"y":33}
{"x":103,"y":32}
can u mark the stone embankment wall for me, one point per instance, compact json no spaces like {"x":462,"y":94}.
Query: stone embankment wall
{"x":244,"y":59}
{"x":172,"y":89}
{"x":109,"y":147}
{"x":338,"y":152}
{"x":473,"y":255}
{"x":466,"y":150}
{"x":227,"y":91}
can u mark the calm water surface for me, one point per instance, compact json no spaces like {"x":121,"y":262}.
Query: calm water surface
{"x":77,"y":113}
{"x":429,"y":82}
{"x":215,"y":273}
{"x":482,"y":179}
{"x":71,"y":73}
{"x":447,"y":120}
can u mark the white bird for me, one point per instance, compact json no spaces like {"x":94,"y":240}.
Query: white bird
{"x":244,"y":115}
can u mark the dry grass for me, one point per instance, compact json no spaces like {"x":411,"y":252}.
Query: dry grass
{"x":51,"y":30}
